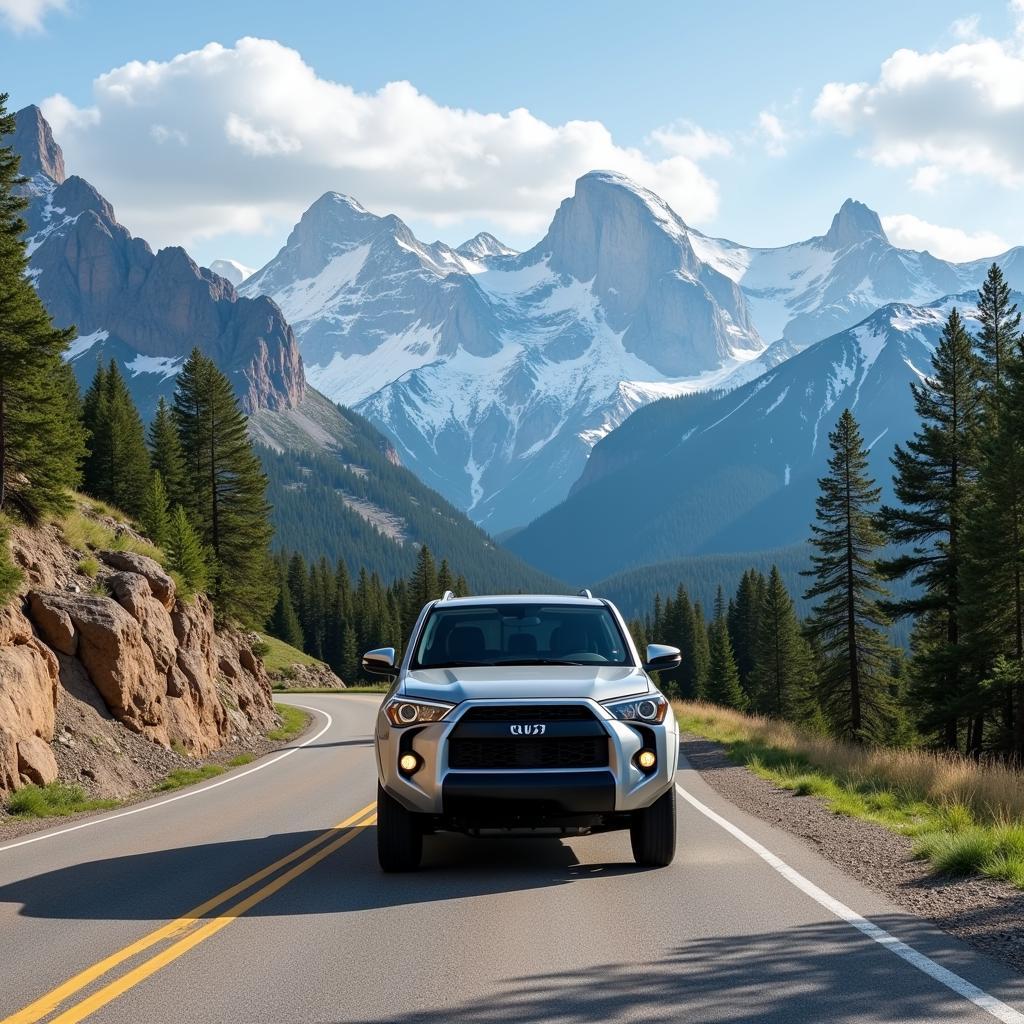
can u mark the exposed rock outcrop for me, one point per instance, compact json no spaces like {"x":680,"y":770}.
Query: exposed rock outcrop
{"x":126,"y":645}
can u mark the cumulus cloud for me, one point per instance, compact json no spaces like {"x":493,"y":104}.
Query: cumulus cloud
{"x":773,"y":134}
{"x":28,"y":15}
{"x":958,"y":111}
{"x":250,"y":134}
{"x":910,"y":232}
{"x":687,"y":139}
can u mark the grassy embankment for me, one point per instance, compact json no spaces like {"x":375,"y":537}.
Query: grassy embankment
{"x":279,"y":658}
{"x":964,"y":817}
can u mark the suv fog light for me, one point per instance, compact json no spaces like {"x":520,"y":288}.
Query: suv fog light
{"x":408,"y":763}
{"x":646,"y":759}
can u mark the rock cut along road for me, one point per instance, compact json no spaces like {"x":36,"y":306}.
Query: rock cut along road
{"x":258,"y":900}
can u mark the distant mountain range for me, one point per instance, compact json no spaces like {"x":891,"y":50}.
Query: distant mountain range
{"x":495,"y":372}
{"x":737,"y":471}
{"x":337,"y":485}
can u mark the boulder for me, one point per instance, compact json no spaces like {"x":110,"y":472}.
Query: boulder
{"x":28,"y":702}
{"x":114,"y":652}
{"x":135,"y":595}
{"x":160,"y":584}
{"x":36,"y":763}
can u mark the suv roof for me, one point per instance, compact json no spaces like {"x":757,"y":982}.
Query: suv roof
{"x":521,"y":599}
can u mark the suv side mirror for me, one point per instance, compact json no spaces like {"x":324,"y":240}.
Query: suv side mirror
{"x":380,"y":662}
{"x":661,"y":658}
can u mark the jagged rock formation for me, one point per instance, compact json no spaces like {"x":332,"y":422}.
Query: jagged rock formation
{"x":125,"y":642}
{"x":145,"y":309}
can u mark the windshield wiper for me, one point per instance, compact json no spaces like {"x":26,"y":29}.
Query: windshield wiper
{"x":539,"y":661}
{"x":458,"y":664}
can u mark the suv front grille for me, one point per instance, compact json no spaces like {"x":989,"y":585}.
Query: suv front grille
{"x":529,"y":713}
{"x":532,"y":752}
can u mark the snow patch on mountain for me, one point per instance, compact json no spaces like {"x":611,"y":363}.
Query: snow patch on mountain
{"x":83,"y":343}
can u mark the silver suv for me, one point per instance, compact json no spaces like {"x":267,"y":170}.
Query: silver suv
{"x":524,"y":714}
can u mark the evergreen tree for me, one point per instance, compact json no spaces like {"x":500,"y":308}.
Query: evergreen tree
{"x":701,"y":653}
{"x":445,"y":579}
{"x":723,"y":686}
{"x":226,"y":490}
{"x":994,"y":582}
{"x":935,"y":475}
{"x":782,"y":678}
{"x":999,"y":340}
{"x":185,"y":551}
{"x":854,"y":683}
{"x":165,"y":453}
{"x":423,"y":583}
{"x":117,"y":465}
{"x":284,"y":623}
{"x":744,"y":614}
{"x":41,"y":439}
{"x":155,"y":515}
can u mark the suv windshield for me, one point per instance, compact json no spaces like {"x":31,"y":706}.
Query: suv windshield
{"x":520,"y":634}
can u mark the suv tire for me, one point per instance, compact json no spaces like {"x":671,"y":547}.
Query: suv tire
{"x":399,"y":835}
{"x":652,"y":832}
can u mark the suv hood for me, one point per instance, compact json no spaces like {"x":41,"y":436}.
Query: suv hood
{"x":516,"y":682}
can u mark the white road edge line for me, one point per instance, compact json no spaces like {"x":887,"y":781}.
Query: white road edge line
{"x":233,"y":777}
{"x":990,"y":1004}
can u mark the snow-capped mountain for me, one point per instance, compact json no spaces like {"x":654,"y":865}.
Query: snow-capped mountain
{"x":495,"y":372}
{"x":738,"y":471}
{"x":145,"y":309}
{"x":232,"y":270}
{"x":808,"y":290}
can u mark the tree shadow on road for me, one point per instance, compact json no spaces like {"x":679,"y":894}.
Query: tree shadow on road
{"x":810,"y":974}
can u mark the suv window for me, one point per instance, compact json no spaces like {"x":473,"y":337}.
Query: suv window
{"x":520,"y":634}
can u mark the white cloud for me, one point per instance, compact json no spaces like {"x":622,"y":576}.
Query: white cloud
{"x":27,"y":15}
{"x":687,"y":139}
{"x":953,"y":112}
{"x":773,"y":133}
{"x":966,"y":28}
{"x":259,"y":135}
{"x":910,"y":232}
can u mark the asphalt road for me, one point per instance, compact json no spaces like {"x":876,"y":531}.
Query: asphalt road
{"x":153,"y":916}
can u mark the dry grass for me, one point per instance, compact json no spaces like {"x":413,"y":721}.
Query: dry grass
{"x":991,"y":791}
{"x":85,"y":532}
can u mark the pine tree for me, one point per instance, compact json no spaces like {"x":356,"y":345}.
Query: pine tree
{"x":935,"y":475}
{"x":743,"y":618}
{"x":155,"y":516}
{"x":41,"y":439}
{"x":117,"y":465}
{"x":999,"y":340}
{"x":782,"y":678}
{"x":185,"y":551}
{"x":422,"y":583}
{"x":701,"y":653}
{"x":445,"y":579}
{"x":723,"y":686}
{"x":689,"y":686}
{"x":227,"y":490}
{"x":854,"y":684}
{"x":165,"y":453}
{"x":994,"y":582}
{"x":284,"y":623}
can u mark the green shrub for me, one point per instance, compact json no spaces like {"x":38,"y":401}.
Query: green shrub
{"x":54,"y":799}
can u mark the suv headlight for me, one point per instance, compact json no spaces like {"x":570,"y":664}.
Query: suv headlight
{"x":650,"y":710}
{"x":415,"y":712}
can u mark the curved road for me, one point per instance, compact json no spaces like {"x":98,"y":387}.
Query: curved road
{"x":257,"y":900}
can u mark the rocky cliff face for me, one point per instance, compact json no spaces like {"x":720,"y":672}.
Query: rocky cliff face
{"x":145,"y":309}
{"x":125,"y":645}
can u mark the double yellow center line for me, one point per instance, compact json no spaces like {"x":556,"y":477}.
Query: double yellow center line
{"x":187,"y":926}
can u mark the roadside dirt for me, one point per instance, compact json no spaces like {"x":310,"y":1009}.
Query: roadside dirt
{"x":985,"y":913}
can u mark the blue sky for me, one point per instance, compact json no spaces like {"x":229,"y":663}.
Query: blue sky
{"x":722,"y":108}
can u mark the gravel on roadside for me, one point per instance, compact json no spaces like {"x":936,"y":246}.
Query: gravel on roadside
{"x":983,"y":912}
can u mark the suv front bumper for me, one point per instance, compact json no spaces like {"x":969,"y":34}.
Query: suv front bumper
{"x":437,"y":789}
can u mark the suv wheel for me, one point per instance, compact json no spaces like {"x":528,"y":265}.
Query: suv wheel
{"x":652,"y":832}
{"x":399,"y":835}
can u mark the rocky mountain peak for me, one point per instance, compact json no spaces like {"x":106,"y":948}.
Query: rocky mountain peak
{"x":34,"y":143}
{"x":853,"y":223}
{"x":482,"y":245}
